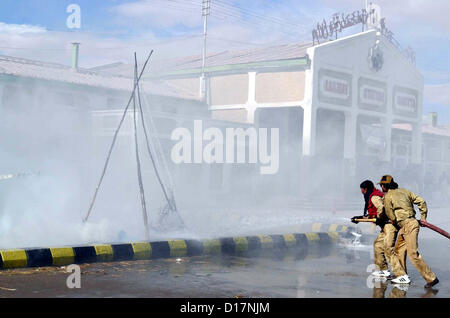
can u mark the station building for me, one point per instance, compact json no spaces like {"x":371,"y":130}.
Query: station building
{"x":337,"y":104}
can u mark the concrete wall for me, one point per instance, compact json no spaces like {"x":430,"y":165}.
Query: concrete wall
{"x":229,"y":90}
{"x":190,"y":85}
{"x":280,"y":87}
{"x":235,"y":115}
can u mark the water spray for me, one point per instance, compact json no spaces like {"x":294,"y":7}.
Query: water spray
{"x":170,"y":207}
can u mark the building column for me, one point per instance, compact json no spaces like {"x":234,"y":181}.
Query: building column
{"x":208,"y":91}
{"x":308,"y":166}
{"x":205,"y":89}
{"x":202,"y":87}
{"x":252,"y":105}
{"x":309,"y":131}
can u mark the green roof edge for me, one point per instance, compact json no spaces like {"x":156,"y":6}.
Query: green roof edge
{"x":234,"y":67}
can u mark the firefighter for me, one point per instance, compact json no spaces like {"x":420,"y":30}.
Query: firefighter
{"x":374,"y":208}
{"x":399,"y":208}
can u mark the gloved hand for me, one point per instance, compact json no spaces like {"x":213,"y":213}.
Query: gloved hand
{"x":379,"y":222}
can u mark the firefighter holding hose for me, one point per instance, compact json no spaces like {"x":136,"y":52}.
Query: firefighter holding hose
{"x":399,"y":208}
{"x":374,"y":209}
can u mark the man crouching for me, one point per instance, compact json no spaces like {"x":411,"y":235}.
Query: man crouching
{"x":374,"y":209}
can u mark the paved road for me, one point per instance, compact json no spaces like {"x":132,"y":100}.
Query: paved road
{"x":336,"y":272}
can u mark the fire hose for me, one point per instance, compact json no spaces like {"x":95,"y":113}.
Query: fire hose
{"x":359,"y":219}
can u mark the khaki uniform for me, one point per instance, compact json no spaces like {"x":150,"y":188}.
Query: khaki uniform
{"x":399,"y":207}
{"x":382,"y":252}
{"x":388,"y":234}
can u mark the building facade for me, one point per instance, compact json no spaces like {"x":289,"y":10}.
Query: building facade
{"x":337,"y":105}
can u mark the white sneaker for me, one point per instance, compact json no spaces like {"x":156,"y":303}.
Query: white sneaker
{"x":404,"y":279}
{"x":381,"y":273}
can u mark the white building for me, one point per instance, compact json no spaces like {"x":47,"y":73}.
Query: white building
{"x":335,"y":103}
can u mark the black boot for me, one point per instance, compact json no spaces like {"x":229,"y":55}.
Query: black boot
{"x":434,"y":282}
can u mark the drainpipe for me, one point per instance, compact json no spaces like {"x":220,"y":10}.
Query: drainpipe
{"x":433,"y":119}
{"x":75,"y":55}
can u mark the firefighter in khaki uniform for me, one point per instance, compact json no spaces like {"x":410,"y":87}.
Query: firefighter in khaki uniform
{"x":375,"y":209}
{"x":399,"y":208}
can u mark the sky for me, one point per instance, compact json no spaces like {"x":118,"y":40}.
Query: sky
{"x":112,"y":30}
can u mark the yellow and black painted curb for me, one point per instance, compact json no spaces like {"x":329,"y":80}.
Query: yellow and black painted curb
{"x":145,"y":251}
